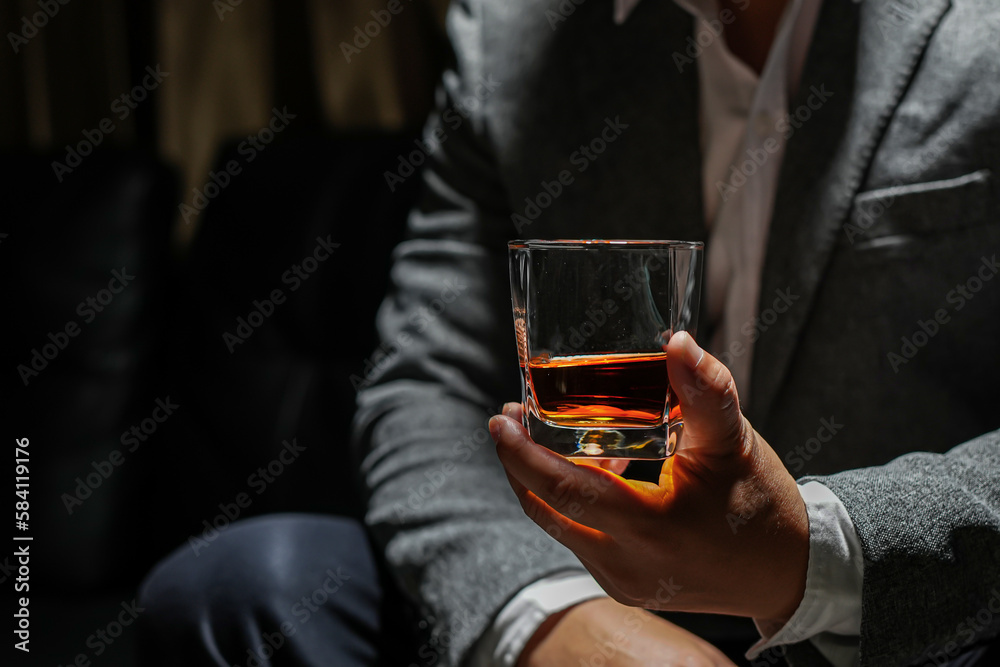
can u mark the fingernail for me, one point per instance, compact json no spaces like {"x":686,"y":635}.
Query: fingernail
{"x":507,"y":407}
{"x":690,"y":351}
{"x":495,"y":428}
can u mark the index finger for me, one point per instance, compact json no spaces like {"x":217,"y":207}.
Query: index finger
{"x":589,"y":495}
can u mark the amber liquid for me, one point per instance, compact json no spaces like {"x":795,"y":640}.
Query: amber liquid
{"x":608,"y":390}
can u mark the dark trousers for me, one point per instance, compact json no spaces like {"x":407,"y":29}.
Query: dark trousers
{"x":290,"y":589}
{"x":297,"y":590}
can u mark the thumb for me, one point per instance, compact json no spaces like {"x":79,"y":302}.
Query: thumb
{"x":707,"y":394}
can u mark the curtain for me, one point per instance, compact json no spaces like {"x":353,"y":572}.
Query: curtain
{"x":179,"y":77}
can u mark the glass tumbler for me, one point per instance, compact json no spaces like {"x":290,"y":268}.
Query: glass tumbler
{"x":592,"y":319}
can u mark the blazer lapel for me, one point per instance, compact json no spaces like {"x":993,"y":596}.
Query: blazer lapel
{"x":861,"y":61}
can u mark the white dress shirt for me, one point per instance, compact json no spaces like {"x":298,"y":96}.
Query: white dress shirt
{"x":742,"y":133}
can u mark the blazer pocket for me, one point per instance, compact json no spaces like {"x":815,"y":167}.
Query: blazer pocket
{"x":903,"y":212}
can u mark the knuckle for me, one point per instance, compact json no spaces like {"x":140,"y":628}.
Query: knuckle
{"x":748,"y":436}
{"x":720,"y":375}
{"x":733,"y":422}
{"x":728,"y":395}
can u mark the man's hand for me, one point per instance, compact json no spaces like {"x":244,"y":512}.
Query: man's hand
{"x":724,"y":531}
{"x":605,"y":632}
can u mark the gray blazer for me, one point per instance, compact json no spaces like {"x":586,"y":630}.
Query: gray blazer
{"x":885,"y":230}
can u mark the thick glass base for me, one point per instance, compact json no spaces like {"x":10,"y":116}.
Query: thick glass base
{"x":602,"y":443}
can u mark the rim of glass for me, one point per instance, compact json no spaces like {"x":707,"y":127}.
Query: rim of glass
{"x":591,"y":244}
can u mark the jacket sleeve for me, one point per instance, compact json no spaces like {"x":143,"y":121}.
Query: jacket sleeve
{"x":929,"y":526}
{"x":439,"y":504}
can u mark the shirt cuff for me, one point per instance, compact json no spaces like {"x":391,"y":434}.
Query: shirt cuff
{"x":830,"y":612}
{"x":513,"y":627}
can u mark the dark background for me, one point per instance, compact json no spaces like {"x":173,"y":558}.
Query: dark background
{"x":105,"y":506}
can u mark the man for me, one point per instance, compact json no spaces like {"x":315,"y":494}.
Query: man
{"x":840,"y":160}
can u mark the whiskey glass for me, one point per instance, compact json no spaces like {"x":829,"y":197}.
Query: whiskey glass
{"x":592,"y":319}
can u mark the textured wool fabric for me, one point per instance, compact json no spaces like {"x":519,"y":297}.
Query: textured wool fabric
{"x":929,"y":530}
{"x":882,"y":247}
